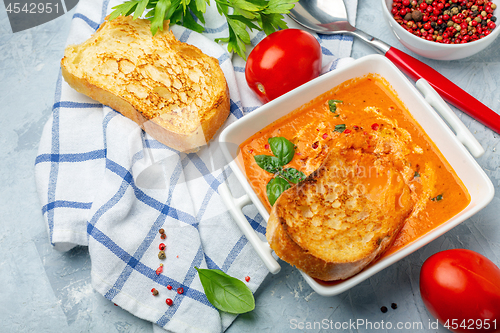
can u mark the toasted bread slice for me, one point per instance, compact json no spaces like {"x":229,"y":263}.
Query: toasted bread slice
{"x":178,"y":94}
{"x":343,"y":216}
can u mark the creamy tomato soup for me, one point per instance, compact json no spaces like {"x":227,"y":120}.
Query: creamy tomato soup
{"x":365,"y":113}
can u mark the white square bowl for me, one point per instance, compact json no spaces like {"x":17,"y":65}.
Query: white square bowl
{"x":450,"y":144}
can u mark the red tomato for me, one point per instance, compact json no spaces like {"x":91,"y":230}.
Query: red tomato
{"x":281,"y":62}
{"x":461,"y":288}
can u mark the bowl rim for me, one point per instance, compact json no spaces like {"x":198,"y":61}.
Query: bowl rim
{"x":396,"y":25}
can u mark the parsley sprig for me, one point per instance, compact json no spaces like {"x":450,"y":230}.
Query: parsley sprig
{"x":241,"y":15}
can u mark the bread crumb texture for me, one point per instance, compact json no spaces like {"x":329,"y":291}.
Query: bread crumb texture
{"x":346,"y":213}
{"x":167,"y":81}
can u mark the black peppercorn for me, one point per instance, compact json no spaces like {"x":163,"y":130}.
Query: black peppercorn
{"x":383,"y":309}
{"x":394,"y":306}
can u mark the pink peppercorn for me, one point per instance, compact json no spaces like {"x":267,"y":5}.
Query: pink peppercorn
{"x":436,"y":20}
{"x":159,"y":270}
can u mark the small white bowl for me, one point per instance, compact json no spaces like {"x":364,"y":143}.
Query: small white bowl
{"x":435,"y":50}
{"x":418,"y":103}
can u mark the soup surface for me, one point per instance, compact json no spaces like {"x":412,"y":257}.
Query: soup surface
{"x":366,"y":114}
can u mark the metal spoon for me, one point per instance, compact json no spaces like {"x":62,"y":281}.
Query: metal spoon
{"x":330,"y":17}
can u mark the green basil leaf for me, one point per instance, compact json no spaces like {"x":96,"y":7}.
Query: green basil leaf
{"x":283,"y":149}
{"x":340,"y":128}
{"x":275,"y":187}
{"x":225,"y":292}
{"x":332,"y":104}
{"x":269,"y":163}
{"x":293,"y":175}
{"x":416,"y":174}
{"x":438,"y":198}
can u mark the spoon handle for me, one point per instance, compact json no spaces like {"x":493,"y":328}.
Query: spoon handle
{"x":447,"y":89}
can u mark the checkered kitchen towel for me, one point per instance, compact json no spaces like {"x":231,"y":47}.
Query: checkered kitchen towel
{"x":105,"y":184}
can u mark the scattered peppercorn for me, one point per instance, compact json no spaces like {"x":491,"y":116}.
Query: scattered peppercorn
{"x":180,"y":290}
{"x":383,"y":309}
{"x":154,"y":291}
{"x":159,"y":270}
{"x":169,"y":302}
{"x":394,"y":306}
{"x":161,"y":255}
{"x":247,"y":278}
{"x":161,"y":231}
{"x":161,"y":246}
{"x":163,"y":236}
{"x":446,"y":21}
{"x":169,"y":287}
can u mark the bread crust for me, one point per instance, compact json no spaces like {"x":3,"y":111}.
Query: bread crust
{"x":289,"y":251}
{"x":183,"y":109}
